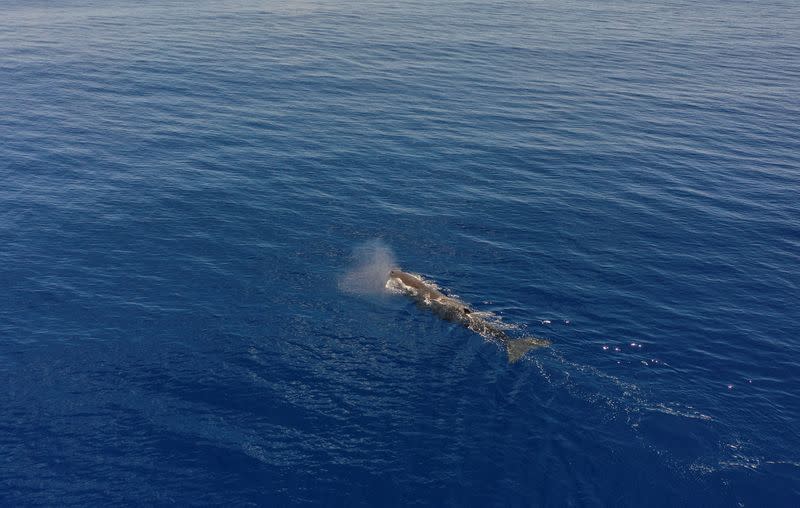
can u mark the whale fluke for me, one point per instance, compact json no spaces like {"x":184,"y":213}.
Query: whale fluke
{"x":518,"y":347}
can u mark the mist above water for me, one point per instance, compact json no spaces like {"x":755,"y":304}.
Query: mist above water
{"x":369,"y":271}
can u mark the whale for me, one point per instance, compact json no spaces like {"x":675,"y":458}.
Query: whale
{"x":452,"y":309}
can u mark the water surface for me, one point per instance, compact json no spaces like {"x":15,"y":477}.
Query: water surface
{"x":184,"y":186}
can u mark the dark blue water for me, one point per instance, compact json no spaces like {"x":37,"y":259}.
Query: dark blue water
{"x":184,"y":185}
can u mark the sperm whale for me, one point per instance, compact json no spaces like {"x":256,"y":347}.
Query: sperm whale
{"x":453,"y":309}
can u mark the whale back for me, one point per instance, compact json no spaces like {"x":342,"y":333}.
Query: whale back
{"x":452,"y":309}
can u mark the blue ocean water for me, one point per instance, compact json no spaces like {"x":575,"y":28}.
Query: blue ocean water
{"x":185,"y":187}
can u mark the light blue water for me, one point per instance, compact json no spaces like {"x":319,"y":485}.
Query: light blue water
{"x":183,"y":187}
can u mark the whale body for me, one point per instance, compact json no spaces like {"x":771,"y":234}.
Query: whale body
{"x":453,"y":309}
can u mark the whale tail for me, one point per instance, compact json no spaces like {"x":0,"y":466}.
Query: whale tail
{"x":518,"y":347}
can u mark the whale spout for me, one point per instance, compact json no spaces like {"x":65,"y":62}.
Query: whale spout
{"x":518,"y":347}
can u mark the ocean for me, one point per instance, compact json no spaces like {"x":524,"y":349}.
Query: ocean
{"x":199,"y":202}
